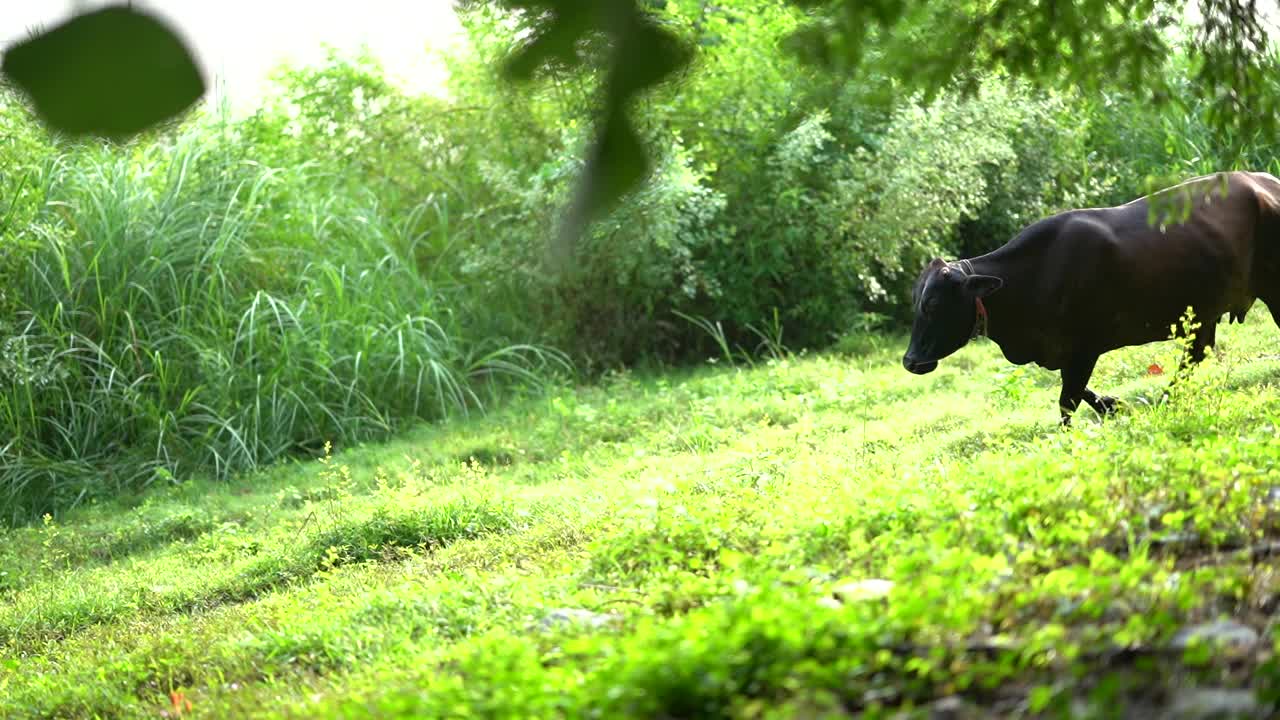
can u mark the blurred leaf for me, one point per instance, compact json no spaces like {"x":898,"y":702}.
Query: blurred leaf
{"x":112,"y":72}
{"x":616,"y":163}
{"x":640,"y":55}
{"x":645,"y":56}
{"x":557,"y":40}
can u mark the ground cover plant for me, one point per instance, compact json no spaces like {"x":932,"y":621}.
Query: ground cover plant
{"x":803,"y":536}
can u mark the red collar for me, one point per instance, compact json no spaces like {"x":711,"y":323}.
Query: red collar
{"x":979,"y":322}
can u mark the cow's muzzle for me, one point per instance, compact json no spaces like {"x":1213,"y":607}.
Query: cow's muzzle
{"x":919,"y":367}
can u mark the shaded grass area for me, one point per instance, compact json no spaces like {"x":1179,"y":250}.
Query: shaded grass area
{"x":710,"y":543}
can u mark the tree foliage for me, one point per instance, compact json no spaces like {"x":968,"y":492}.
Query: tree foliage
{"x":932,"y":46}
{"x":117,"y":71}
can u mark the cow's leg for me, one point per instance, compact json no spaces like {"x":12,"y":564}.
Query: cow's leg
{"x":1075,"y":382}
{"x":1102,"y":404}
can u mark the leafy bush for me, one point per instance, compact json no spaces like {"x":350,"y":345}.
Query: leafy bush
{"x":612,"y":301}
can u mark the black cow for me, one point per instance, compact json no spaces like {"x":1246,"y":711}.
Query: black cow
{"x":1080,"y":283}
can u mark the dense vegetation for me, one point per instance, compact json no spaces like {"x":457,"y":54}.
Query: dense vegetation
{"x":348,"y":259}
{"x":808,"y":537}
{"x":675,"y":470}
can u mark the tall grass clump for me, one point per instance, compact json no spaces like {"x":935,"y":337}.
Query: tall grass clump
{"x":185,"y":308}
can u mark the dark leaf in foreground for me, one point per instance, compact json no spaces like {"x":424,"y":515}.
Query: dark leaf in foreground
{"x":641,"y":55}
{"x":112,"y":72}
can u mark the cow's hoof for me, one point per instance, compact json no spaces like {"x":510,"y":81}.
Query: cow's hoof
{"x":1108,"y":405}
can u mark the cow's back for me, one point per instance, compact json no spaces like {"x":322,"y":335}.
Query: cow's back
{"x":1109,"y":278}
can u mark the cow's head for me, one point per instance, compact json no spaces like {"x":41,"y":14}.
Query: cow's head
{"x":945,"y":300}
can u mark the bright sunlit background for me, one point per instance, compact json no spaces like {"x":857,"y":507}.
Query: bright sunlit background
{"x":238,"y":42}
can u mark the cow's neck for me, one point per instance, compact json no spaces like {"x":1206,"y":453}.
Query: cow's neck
{"x":1006,"y":305}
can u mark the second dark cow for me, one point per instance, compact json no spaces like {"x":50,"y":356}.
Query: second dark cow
{"x":1075,"y":285}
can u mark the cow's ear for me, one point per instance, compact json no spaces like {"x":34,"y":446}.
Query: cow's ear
{"x":982,"y":285}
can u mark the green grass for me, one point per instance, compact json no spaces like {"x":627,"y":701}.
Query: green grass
{"x":182,"y":309}
{"x":709,"y":530}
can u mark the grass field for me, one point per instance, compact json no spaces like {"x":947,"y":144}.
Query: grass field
{"x":806,"y":537}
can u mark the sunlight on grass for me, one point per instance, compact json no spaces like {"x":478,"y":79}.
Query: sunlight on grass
{"x":658,"y":547}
